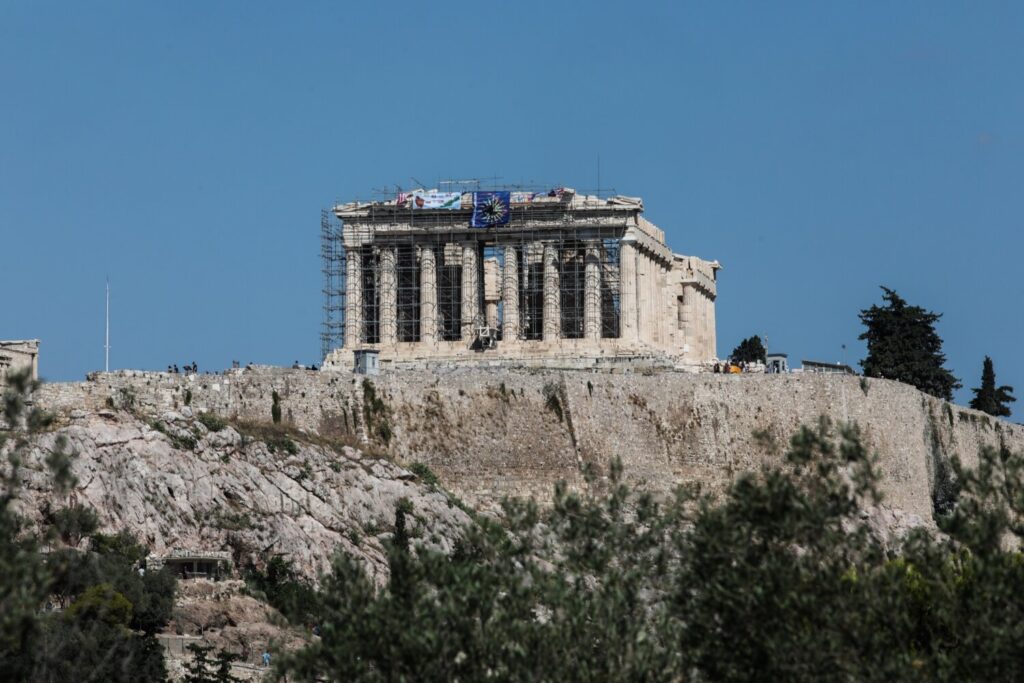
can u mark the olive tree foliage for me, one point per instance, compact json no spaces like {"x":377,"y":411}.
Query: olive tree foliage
{"x":104,"y":631}
{"x":779,"y":578}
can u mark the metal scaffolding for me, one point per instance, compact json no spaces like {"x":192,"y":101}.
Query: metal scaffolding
{"x":332,"y":260}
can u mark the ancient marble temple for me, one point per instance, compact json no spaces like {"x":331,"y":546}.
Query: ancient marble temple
{"x":511,"y":277}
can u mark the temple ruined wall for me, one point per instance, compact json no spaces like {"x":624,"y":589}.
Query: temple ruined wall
{"x":496,"y":432}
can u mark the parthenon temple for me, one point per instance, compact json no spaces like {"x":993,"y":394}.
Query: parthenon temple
{"x":508,"y":276}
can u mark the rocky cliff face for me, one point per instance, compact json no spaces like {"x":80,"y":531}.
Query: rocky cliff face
{"x":493,"y":432}
{"x":177,"y":484}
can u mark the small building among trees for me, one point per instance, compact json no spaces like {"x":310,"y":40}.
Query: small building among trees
{"x":194,"y":564}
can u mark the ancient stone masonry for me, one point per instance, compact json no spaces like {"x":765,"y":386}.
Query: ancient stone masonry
{"x":555,"y":275}
{"x":493,"y":432}
{"x":18,"y":355}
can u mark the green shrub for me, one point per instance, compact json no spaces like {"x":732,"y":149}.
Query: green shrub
{"x":212,"y":422}
{"x":425,"y":474}
{"x":101,"y":602}
{"x":377,"y":414}
{"x":275,"y":408}
{"x":285,"y":589}
{"x":553,"y":400}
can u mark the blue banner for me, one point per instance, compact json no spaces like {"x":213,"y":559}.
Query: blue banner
{"x":490,"y":209}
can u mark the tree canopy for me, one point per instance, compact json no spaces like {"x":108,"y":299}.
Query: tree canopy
{"x":750,"y":350}
{"x":779,"y":579}
{"x":105,"y":631}
{"x":988,"y":397}
{"x":903,"y":345}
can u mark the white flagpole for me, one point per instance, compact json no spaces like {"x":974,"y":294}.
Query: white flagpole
{"x":106,"y":345}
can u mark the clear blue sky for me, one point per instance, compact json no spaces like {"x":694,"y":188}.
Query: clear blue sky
{"x":818,"y":150}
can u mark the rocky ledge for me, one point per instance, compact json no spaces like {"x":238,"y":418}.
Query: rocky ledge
{"x":254,"y":490}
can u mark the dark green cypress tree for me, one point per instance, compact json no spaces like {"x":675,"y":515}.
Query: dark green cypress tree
{"x":750,"y":350}
{"x":988,"y":397}
{"x":903,"y":345}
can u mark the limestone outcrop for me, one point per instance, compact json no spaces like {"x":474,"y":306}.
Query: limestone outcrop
{"x":177,"y":484}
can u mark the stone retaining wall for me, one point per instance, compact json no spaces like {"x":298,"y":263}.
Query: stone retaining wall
{"x":494,"y":432}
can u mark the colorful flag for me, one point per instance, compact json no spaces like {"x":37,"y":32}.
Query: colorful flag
{"x":490,"y":209}
{"x":436,"y":200}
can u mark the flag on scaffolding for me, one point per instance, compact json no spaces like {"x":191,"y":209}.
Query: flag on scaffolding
{"x":490,"y":209}
{"x":435,"y":200}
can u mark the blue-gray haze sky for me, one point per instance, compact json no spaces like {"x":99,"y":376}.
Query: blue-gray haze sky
{"x":818,"y":150}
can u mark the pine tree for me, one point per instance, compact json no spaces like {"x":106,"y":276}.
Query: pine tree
{"x":988,"y":397}
{"x":903,"y":345}
{"x":750,"y":350}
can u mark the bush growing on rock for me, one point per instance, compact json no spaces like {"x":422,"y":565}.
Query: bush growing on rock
{"x":275,"y":407}
{"x":212,"y":422}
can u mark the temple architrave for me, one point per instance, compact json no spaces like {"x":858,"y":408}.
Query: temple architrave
{"x":518,"y":277}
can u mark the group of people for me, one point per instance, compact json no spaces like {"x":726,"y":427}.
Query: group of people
{"x":193,"y":368}
{"x":188,"y":369}
{"x":730,"y":368}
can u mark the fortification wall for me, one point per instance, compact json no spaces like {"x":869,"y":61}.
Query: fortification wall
{"x":494,"y":432}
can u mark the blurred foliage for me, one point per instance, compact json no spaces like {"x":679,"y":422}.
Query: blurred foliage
{"x":68,"y":614}
{"x":285,"y":589}
{"x":201,"y":669}
{"x":779,"y":578}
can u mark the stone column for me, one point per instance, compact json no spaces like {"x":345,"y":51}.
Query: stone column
{"x":428,"y":296}
{"x":353,"y":298}
{"x":592,"y":291}
{"x":664,"y":319}
{"x":709,"y":323}
{"x":701,"y":320}
{"x":388,"y":297}
{"x":653,"y":321}
{"x":643,"y":322}
{"x":510,"y":296}
{"x":492,"y":291}
{"x":628,"y":293}
{"x":552,"y":295}
{"x":685,"y":321}
{"x":470,"y":293}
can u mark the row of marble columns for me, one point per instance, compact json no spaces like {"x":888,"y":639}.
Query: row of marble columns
{"x":470,"y":304}
{"x":643,"y":303}
{"x":696,"y":317}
